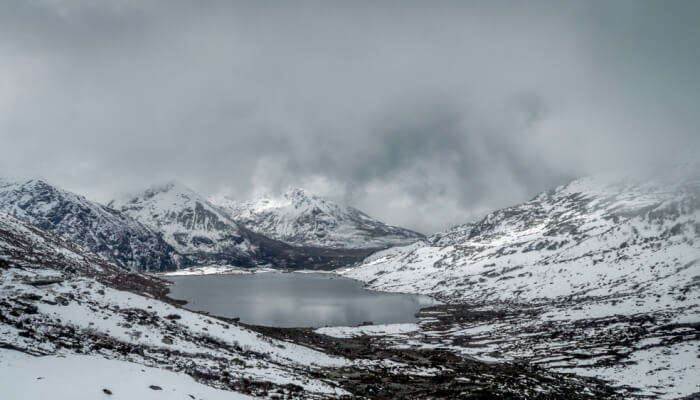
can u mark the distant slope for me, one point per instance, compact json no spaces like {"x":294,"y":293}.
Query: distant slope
{"x":600,"y":277}
{"x":592,"y":237}
{"x":104,"y":231}
{"x":303,"y":219}
{"x":206,"y":234}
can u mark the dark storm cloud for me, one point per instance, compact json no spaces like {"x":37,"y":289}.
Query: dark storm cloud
{"x":422,"y":113}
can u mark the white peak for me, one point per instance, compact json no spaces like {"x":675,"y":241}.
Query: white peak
{"x":302,"y":218}
{"x":170,"y":186}
{"x":170,"y":190}
{"x":296,"y":193}
{"x":222,"y":200}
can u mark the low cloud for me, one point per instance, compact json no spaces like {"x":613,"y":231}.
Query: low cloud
{"x":424,"y":115}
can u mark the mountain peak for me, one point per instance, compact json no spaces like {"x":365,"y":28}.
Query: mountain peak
{"x":302,"y":218}
{"x":110,"y":234}
{"x":299,"y":193}
{"x":189,"y":223}
{"x":172,"y":186}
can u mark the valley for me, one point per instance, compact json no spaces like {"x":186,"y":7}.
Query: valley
{"x":588,"y":291}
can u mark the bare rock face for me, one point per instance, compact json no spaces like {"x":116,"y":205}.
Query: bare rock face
{"x":109,"y":233}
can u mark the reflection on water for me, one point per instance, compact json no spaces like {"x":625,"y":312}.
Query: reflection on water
{"x":294,"y":300}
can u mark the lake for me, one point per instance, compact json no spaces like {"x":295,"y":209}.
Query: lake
{"x":295,"y":299}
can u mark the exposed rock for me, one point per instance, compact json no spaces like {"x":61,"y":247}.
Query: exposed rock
{"x":104,"y":231}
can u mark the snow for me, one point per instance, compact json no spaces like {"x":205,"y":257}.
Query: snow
{"x":103,"y":311}
{"x":653,"y":369}
{"x":86,"y":223}
{"x":79,"y":314}
{"x":76,"y":377}
{"x":187,"y":220}
{"x":218,"y":270}
{"x":367,"y":330}
{"x":302,"y":218}
{"x":606,"y":248}
{"x":597,"y":270}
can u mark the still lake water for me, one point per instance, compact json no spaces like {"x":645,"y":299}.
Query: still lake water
{"x":294,"y":299}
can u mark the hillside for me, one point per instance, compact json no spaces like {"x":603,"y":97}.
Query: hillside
{"x":73,"y":325}
{"x":112,"y":235}
{"x":598,"y":277}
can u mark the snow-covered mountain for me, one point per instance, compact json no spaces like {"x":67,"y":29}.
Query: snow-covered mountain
{"x":594,"y":236}
{"x":598,"y":277}
{"x":207,"y":235}
{"x":74,"y":326}
{"x":104,"y":231}
{"x":190,"y":224}
{"x":79,"y":312}
{"x":301,"y":218}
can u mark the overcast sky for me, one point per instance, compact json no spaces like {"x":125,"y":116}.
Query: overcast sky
{"x":424,"y":114}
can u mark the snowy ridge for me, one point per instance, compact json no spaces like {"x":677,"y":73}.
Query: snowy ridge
{"x":104,"y":231}
{"x":205,"y":233}
{"x":190,"y":224}
{"x":301,"y":218}
{"x":591,"y":277}
{"x":608,"y":239}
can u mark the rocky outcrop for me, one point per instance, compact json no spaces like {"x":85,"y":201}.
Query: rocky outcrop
{"x":104,"y":231}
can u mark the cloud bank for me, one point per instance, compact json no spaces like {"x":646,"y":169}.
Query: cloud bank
{"x":424,"y":114}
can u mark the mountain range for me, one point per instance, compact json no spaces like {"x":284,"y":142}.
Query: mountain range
{"x":104,"y":231}
{"x":301,"y":218}
{"x":594,"y":236}
{"x":598,"y":279}
{"x":169,"y":226}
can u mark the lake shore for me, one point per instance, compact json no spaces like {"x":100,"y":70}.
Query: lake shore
{"x":234,"y":270}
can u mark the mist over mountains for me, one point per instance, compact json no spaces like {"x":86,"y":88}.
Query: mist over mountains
{"x":169,"y":226}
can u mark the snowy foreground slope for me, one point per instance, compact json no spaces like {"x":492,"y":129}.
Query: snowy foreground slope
{"x":81,"y":377}
{"x":600,"y":277}
{"x":301,"y":218}
{"x":104,"y":231}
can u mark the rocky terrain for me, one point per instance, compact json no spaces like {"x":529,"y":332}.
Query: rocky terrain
{"x":109,"y":233}
{"x":58,"y":300}
{"x":301,"y":218}
{"x":600,"y":277}
{"x":73,"y":325}
{"x":587,"y":291}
